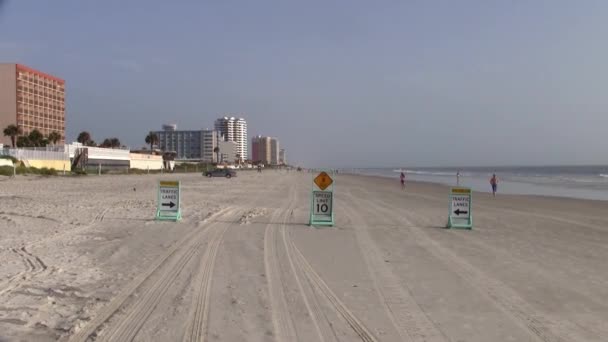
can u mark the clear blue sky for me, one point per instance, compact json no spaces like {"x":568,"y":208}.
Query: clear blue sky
{"x":341,"y":83}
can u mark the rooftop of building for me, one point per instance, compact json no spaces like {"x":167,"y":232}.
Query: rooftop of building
{"x":231,"y":118}
{"x":38,"y":72}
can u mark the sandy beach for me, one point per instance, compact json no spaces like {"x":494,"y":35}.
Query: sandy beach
{"x":84,"y":260}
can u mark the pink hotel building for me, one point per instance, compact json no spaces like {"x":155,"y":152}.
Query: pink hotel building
{"x":32,"y":100}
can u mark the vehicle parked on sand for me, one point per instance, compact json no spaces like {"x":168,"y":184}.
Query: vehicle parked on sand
{"x":228,"y":173}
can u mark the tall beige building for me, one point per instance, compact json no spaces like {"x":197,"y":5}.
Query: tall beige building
{"x":265,"y":150}
{"x":261,"y":149}
{"x":32,"y":100}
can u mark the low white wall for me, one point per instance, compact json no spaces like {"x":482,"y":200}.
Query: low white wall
{"x":100,"y":152}
{"x":145,"y":161}
{"x":6,"y":162}
{"x":35,"y":154}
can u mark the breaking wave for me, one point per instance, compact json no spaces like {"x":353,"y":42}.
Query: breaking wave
{"x":428,"y":173}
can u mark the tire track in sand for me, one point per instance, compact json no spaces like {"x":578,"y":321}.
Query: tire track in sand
{"x":127,"y":328}
{"x":282,"y":320}
{"x":32,"y":264}
{"x":319,"y":284}
{"x":324,"y":329}
{"x":299,"y":265}
{"x":190,"y":239}
{"x":199,"y":316}
{"x":284,"y":329}
{"x":539,"y":326}
{"x":408,"y":318}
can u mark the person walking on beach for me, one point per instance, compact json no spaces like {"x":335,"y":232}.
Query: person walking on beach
{"x":457,"y":178}
{"x":494,"y":183}
{"x":402,"y":178}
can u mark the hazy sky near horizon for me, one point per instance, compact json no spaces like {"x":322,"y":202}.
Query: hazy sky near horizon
{"x":340,"y":83}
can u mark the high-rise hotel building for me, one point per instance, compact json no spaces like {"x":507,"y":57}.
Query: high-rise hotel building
{"x":233,"y":129}
{"x":31,"y":99}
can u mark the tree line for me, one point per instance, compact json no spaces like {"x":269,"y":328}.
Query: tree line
{"x":37,"y":139}
{"x":85,"y":138}
{"x":33,"y":139}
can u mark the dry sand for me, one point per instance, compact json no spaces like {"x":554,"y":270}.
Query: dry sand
{"x":83,"y":259}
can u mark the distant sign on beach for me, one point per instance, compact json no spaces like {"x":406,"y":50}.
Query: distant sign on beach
{"x":460,"y":215}
{"x":169,"y":198}
{"x":321,"y":200}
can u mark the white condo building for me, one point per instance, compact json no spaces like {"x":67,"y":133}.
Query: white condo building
{"x":235,"y":130}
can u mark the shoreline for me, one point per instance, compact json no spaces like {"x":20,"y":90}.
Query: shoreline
{"x":576,"y":207}
{"x":512,"y":188}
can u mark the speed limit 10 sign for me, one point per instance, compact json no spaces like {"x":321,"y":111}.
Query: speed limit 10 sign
{"x":321,"y":203}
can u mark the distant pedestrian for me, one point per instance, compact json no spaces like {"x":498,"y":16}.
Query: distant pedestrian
{"x":259,"y":168}
{"x":458,"y":178}
{"x":402,"y":178}
{"x":494,"y":183}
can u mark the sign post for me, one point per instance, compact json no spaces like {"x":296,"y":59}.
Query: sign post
{"x":321,"y":200}
{"x":460,"y":215}
{"x":169,"y":198}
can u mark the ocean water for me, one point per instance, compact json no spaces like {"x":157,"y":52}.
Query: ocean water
{"x":587,"y":182}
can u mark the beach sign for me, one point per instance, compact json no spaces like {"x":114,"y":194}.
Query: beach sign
{"x":323,"y":180}
{"x":321,"y":200}
{"x":460,"y":203}
{"x":169,"y":198}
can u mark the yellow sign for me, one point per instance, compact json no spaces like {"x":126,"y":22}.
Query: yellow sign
{"x":169,"y":184}
{"x":461,"y":190}
{"x":323,"y":180}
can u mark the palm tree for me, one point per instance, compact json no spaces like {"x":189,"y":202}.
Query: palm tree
{"x":84,"y":138}
{"x":23,"y":141}
{"x":115,"y":143}
{"x":54,"y":137}
{"x":36,"y":138}
{"x":111,"y":143}
{"x":216,"y":150}
{"x":151,"y":139}
{"x":106,"y":143}
{"x":12,"y":131}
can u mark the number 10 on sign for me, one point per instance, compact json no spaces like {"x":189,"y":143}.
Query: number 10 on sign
{"x":322,"y":203}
